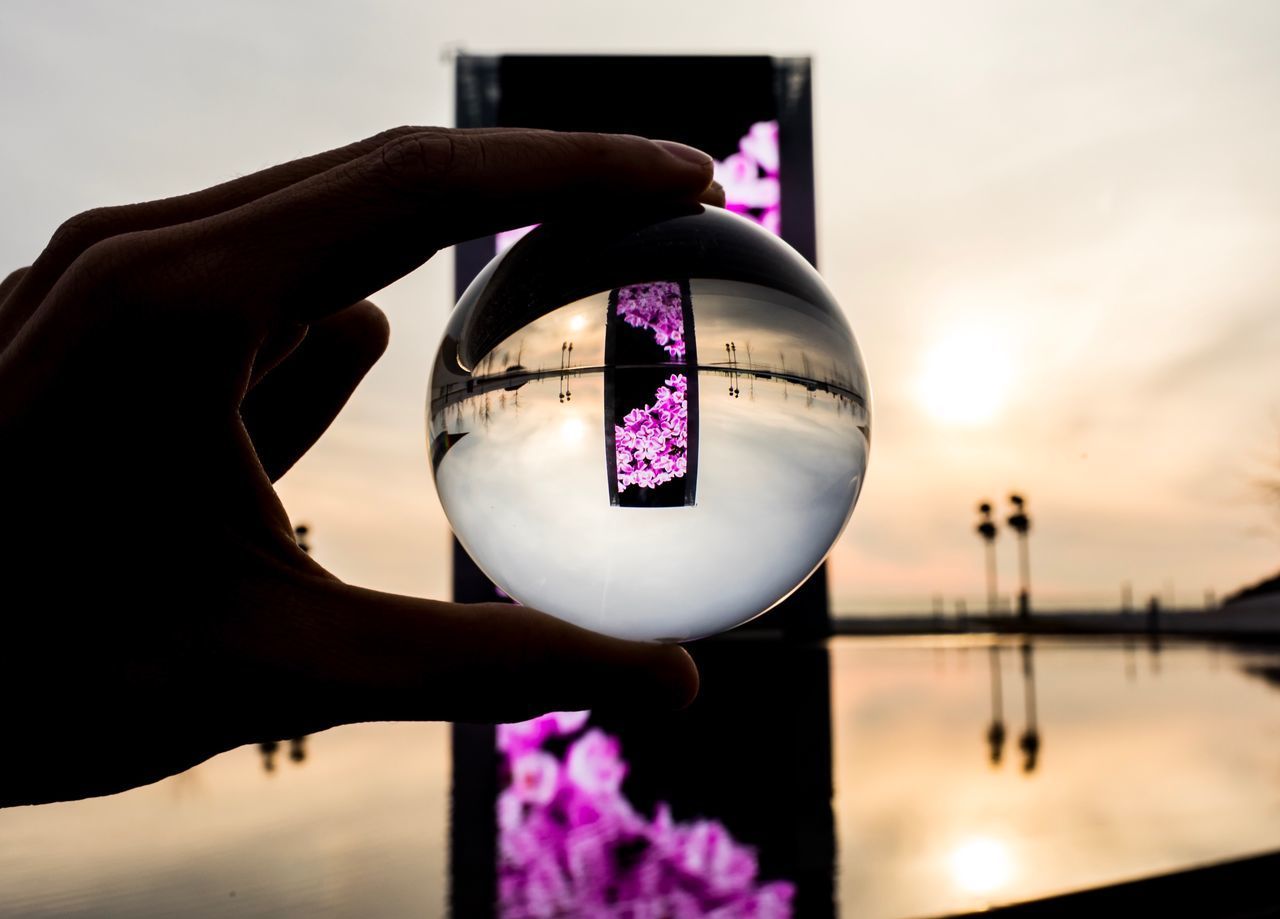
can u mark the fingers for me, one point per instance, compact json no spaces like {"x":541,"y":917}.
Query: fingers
{"x":295,"y":402}
{"x":339,"y":236}
{"x":360,"y":655}
{"x":11,"y":281}
{"x":713,"y":195}
{"x":81,"y":232}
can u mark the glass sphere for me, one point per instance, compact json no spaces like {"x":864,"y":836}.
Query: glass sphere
{"x":653,"y":426}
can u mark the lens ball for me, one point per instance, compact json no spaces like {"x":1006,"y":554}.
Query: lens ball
{"x":653,"y":426}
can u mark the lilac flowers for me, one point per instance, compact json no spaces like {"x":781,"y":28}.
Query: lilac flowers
{"x":571,"y":844}
{"x":750,"y":177}
{"x":659,"y":307}
{"x":652,"y":443}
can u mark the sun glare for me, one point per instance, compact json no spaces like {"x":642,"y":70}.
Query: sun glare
{"x":965,"y":379}
{"x":572,"y":429}
{"x":981,"y":865}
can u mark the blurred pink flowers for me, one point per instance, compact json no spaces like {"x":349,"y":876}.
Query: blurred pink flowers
{"x":750,"y":177}
{"x":571,"y":844}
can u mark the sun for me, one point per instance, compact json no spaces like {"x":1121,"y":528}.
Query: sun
{"x":965,"y":378}
{"x":981,"y":865}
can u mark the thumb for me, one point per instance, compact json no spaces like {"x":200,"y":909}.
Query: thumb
{"x":352,"y":654}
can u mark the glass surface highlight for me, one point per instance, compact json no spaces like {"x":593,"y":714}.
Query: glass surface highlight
{"x":654,"y":427}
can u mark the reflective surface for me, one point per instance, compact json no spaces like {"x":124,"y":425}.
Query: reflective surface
{"x":1147,"y":761}
{"x":673,"y":408}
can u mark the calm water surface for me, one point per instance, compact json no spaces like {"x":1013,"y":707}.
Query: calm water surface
{"x":1116,"y":762}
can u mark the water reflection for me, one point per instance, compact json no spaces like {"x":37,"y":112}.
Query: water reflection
{"x":268,"y":749}
{"x":725,"y":806}
{"x":1029,"y":742}
{"x":1149,"y":771}
{"x":1138,"y":783}
{"x":995,"y":733}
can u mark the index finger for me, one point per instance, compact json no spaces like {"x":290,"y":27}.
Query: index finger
{"x":339,"y":236}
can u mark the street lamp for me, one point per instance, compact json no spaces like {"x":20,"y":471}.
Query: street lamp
{"x":1021,"y":523}
{"x":987,"y":530}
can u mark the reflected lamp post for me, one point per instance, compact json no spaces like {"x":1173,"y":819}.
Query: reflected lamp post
{"x":1021,"y":524}
{"x":1029,"y":742}
{"x":297,"y":746}
{"x":987,"y":530}
{"x":996,"y":732}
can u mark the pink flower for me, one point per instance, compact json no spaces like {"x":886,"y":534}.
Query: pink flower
{"x":706,"y":850}
{"x":569,"y":722}
{"x":510,"y":811}
{"x":760,"y":145}
{"x":535,"y":776}
{"x":523,"y":735}
{"x":659,"y":307}
{"x":651,"y":443}
{"x":593,"y":765}
{"x":750,"y":176}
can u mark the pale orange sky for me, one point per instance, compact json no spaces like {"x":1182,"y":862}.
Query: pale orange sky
{"x":1087,"y":189}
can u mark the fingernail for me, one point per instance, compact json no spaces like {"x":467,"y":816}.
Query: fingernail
{"x":685,"y":153}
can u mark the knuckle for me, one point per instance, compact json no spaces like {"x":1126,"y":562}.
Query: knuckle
{"x":120,"y":266}
{"x":393,"y":134}
{"x":13,"y":277}
{"x":78,"y":233}
{"x":419,"y":161}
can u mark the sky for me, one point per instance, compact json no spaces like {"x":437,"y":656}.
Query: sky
{"x":1053,"y":228}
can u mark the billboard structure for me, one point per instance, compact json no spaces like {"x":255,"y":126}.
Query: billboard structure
{"x":726,"y":805}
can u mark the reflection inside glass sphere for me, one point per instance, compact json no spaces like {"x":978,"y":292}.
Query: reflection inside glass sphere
{"x":655,"y":428}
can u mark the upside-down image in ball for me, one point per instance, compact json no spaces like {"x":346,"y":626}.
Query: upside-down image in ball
{"x":653,"y":426}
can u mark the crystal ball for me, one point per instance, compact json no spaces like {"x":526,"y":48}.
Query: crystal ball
{"x":654,"y":426}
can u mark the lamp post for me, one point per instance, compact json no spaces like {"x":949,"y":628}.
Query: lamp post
{"x":1029,"y":742}
{"x":987,"y":530}
{"x":995,"y":732}
{"x":1021,"y":524}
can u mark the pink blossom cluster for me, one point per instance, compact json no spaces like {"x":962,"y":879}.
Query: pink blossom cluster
{"x":750,"y":177}
{"x":571,"y":844}
{"x":652,"y":442}
{"x":659,"y":308}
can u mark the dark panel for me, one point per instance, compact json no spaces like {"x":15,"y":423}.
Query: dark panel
{"x":705,"y":101}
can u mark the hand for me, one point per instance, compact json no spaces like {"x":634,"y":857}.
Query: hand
{"x":161,"y":365}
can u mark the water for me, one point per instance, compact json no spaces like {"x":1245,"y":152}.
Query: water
{"x":612,"y":414}
{"x":1147,"y":761}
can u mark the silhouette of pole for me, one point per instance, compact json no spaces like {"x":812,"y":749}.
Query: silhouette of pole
{"x":1029,"y":742}
{"x":268,"y":750}
{"x":995,"y":733}
{"x":297,"y":746}
{"x":1021,"y":524}
{"x":987,"y":530}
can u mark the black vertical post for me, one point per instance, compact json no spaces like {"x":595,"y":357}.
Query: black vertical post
{"x":987,"y":530}
{"x":1021,"y":524}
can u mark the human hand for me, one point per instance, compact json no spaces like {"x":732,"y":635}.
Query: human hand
{"x":162,"y":364}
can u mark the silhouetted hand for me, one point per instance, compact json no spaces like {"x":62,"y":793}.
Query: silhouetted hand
{"x":161,"y":365}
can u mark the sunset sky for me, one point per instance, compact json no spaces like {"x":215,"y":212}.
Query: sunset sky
{"x":1055,"y":229}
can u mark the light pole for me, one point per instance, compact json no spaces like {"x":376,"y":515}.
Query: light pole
{"x":987,"y":530}
{"x":1021,"y":524}
{"x":995,"y":732}
{"x":1029,"y":742}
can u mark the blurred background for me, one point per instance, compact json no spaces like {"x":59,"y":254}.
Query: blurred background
{"x":1053,"y":227}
